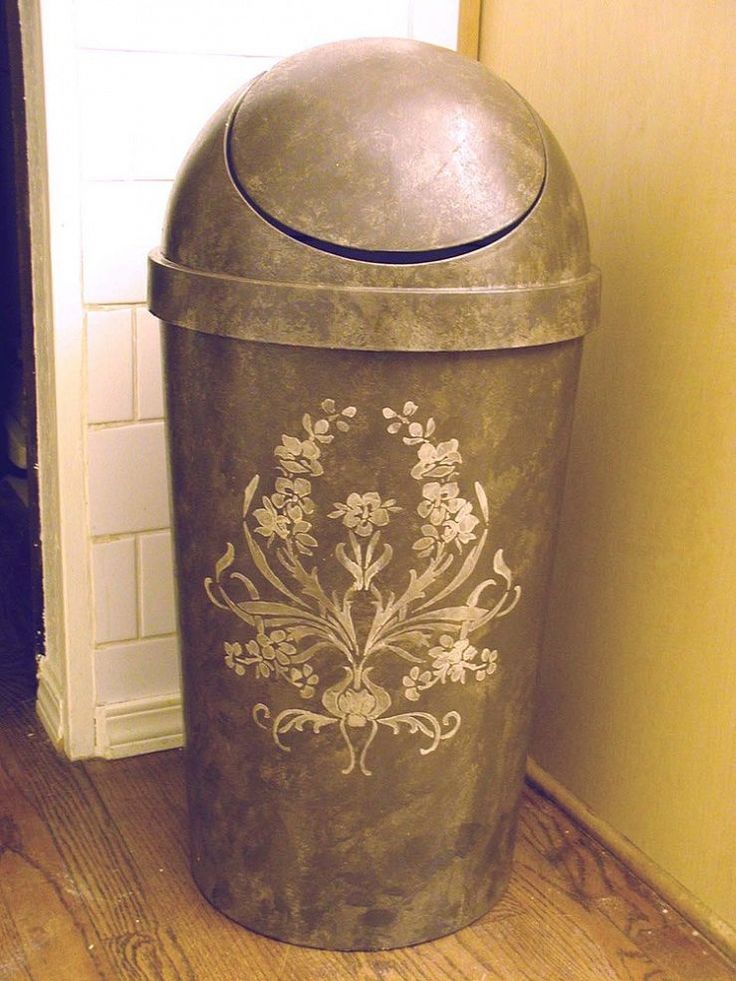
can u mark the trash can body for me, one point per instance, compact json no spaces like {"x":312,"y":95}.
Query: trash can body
{"x":368,"y":428}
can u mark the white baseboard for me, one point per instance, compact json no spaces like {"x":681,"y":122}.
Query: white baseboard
{"x":144,"y":725}
{"x":49,"y":707}
{"x":721,"y":934}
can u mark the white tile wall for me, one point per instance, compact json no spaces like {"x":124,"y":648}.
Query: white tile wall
{"x":114,"y":585}
{"x":141,"y":669}
{"x":142,"y":110}
{"x":157,"y":604}
{"x":435,"y":21}
{"x":149,"y":379}
{"x":128,"y":479}
{"x":109,"y":366}
{"x":121,"y":223}
{"x":276,"y":27}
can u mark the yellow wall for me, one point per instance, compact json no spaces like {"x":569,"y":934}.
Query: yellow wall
{"x":638,"y":702}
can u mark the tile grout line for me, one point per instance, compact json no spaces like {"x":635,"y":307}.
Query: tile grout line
{"x":133,"y":641}
{"x":116,"y":536}
{"x":138,"y":586}
{"x":134,"y":338}
{"x":94,"y":427}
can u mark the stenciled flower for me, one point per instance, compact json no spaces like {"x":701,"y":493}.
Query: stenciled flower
{"x":293,"y":493}
{"x":452,"y":659}
{"x":459,"y":528}
{"x":299,"y":456}
{"x":291,"y":525}
{"x":234,"y":656}
{"x":304,"y":679}
{"x":437,"y":461}
{"x":270,"y":650}
{"x":357,"y":707}
{"x":439,"y":501}
{"x":363,"y":513}
{"x":451,"y":516}
{"x":415,"y":682}
{"x":274,"y":646}
{"x":271,"y":521}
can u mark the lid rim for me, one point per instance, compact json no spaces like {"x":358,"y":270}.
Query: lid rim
{"x":372,"y":318}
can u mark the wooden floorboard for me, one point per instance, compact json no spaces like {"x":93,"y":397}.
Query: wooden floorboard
{"x":94,"y":884}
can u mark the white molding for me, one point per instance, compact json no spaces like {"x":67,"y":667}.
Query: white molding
{"x":49,"y":707}
{"x":144,"y":725}
{"x":52,"y":668}
{"x":62,"y":400}
{"x":710,"y":925}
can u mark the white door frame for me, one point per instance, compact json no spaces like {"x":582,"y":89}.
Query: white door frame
{"x":66,"y":681}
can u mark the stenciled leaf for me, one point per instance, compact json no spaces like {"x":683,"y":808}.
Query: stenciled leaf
{"x":248,"y":495}
{"x":265,"y":609}
{"x":402,"y":653}
{"x":265,"y":569}
{"x":208,"y":583}
{"x":482,"y":500}
{"x":300,"y":632}
{"x":450,"y":614}
{"x":500,"y":567}
{"x":352,"y":567}
{"x":303,"y":656}
{"x":249,"y":585}
{"x":465,"y":570}
{"x":479,"y":590}
{"x":379,"y":565}
{"x":225,"y":561}
{"x":412,"y":636}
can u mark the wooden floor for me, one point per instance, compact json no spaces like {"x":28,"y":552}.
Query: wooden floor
{"x":94,"y":884}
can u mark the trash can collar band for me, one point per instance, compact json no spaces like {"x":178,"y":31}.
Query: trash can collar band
{"x":372,"y":318}
{"x":425,"y":154}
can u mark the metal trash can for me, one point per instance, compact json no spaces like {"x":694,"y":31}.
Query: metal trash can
{"x":374,"y":281}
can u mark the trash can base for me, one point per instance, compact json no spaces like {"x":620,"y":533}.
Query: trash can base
{"x":331,"y":941}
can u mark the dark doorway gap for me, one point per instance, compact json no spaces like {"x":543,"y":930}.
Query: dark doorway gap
{"x":21,"y":605}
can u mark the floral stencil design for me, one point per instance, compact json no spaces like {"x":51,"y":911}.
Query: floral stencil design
{"x":364,"y":512}
{"x":429,"y":622}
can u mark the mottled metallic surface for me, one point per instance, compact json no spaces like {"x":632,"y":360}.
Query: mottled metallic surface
{"x":283,"y":840}
{"x":367,"y":452}
{"x":376,"y":319}
{"x":446,"y":177}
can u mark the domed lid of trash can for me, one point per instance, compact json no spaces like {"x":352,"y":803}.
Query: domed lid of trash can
{"x":386,"y":146}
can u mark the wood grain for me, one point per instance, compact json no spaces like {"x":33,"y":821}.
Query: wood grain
{"x":94,"y":883}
